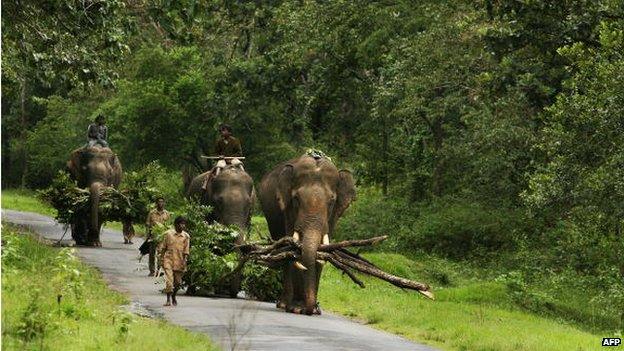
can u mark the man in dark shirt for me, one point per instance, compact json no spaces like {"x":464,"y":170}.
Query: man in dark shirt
{"x":97,"y":133}
{"x":227,"y":145}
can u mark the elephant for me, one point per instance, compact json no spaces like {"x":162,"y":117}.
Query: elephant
{"x":93,"y":168}
{"x":231,"y":194}
{"x":304,"y":198}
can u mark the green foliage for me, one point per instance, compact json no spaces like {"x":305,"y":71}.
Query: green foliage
{"x":213,"y":257}
{"x":140,"y":189}
{"x":50,"y":142}
{"x":130,"y":202}
{"x":67,"y":277}
{"x":34,"y":317}
{"x":66,"y":197}
{"x":35,"y":321}
{"x":64,"y":42}
{"x":212,"y":250}
{"x":261,"y":283}
{"x":460,"y":230}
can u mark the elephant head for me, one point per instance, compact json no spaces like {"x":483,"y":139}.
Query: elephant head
{"x":230,"y":193}
{"x":93,"y":168}
{"x":310,"y":194}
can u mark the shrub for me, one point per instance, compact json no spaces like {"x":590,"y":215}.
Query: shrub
{"x":213,"y":257}
{"x":459,"y":229}
{"x":262,"y":283}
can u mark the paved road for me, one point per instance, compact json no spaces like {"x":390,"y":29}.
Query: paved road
{"x":256,"y":325}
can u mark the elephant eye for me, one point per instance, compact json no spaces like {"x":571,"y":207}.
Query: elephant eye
{"x":295,"y":200}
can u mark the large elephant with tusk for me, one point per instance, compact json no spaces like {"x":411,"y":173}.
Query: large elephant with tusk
{"x":304,"y":198}
{"x":93,"y":168}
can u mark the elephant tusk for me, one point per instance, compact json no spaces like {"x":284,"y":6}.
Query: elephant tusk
{"x":325,"y":239}
{"x":296,"y":236}
{"x":300,"y":266}
{"x":321,"y":262}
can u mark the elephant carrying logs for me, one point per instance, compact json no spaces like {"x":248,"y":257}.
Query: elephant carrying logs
{"x":304,"y":198}
{"x":93,"y":168}
{"x":230,"y":192}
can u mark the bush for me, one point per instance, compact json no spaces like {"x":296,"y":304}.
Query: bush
{"x":450,"y":227}
{"x":372,"y":214}
{"x":213,"y":257}
{"x":49,"y":144}
{"x":262,"y":283}
{"x":459,"y":229}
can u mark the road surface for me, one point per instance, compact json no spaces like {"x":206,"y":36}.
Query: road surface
{"x":232,"y":323}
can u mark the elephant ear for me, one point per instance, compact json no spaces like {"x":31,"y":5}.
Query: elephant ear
{"x":116,"y":170}
{"x":345,"y":194}
{"x":285,"y":180}
{"x":73,"y":165}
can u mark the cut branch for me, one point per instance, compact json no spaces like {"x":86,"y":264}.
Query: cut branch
{"x":286,"y":250}
{"x":352,"y":243}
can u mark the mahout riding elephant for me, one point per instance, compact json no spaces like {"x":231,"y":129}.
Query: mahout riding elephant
{"x":304,"y":198}
{"x":93,"y":168}
{"x":231,"y":194}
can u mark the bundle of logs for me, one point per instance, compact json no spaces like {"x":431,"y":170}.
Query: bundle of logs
{"x":287,"y":249}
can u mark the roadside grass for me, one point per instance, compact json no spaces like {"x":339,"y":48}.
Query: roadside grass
{"x":52,"y":301}
{"x":471,"y":316}
{"x":26,"y":200}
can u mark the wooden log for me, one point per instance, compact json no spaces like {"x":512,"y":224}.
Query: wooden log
{"x":351,"y":243}
{"x":392,"y":279}
{"x":342,"y":267}
{"x":259,"y":249}
{"x":350,"y":255}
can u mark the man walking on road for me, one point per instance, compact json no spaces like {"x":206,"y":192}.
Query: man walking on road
{"x":156,"y":216}
{"x":174,"y":251}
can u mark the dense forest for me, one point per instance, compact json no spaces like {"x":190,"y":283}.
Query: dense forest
{"x":483,"y":131}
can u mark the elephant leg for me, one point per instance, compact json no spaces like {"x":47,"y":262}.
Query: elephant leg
{"x":296,"y":304}
{"x":79,"y":232}
{"x":235,"y":281}
{"x":287,"y":291}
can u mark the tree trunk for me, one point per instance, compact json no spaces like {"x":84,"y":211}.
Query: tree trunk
{"x":24,"y":128}
{"x":384,"y":156}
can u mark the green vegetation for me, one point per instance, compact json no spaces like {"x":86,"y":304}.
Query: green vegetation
{"x":478,"y":306}
{"x":472,"y":316}
{"x":51,"y":301}
{"x":25,"y":200}
{"x":485,"y":135}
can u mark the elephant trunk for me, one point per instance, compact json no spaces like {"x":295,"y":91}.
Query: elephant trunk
{"x":94,"y":196}
{"x":238,"y":216}
{"x":310,"y":244}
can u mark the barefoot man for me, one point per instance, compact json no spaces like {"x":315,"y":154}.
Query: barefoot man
{"x":174,"y":251}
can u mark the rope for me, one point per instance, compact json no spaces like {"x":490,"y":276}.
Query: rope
{"x":58,"y":243}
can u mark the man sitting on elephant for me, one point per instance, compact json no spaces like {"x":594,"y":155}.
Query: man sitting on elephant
{"x":97,"y":133}
{"x":226,"y":146}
